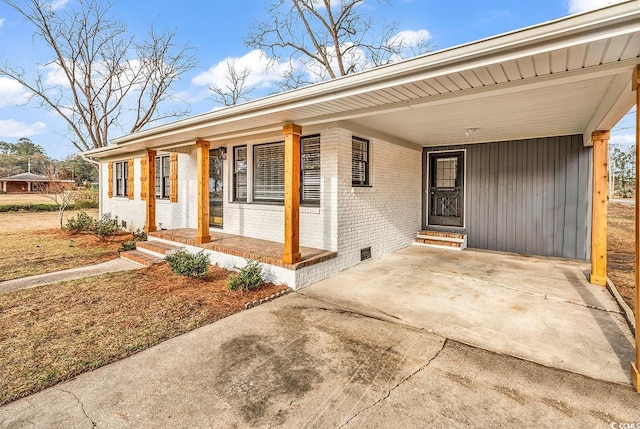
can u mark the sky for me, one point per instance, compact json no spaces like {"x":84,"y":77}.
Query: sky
{"x":217,"y":28}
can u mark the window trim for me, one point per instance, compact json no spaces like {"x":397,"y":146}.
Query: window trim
{"x":164,"y":186}
{"x":235,"y":173}
{"x":303,"y":202}
{"x":367,"y":168}
{"x":124,"y":170}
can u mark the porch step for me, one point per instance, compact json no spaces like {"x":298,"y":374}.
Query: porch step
{"x":441,"y":239}
{"x":156,"y":248}
{"x":141,"y":258}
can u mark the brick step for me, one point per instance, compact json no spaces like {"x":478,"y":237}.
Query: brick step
{"x":141,"y":258}
{"x":156,"y":248}
{"x":443,"y":240}
{"x":441,"y":234}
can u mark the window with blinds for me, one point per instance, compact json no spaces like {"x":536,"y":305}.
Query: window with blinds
{"x":268,"y":171}
{"x":163,"y":170}
{"x":122,"y":178}
{"x":310,"y":170}
{"x":359,"y":161}
{"x":240,"y":173}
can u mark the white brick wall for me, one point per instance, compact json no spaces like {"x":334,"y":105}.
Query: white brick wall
{"x":182,"y":214}
{"x":130,"y":211}
{"x":385,"y":216}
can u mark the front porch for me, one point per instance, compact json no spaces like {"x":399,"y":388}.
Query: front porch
{"x":230,"y":251}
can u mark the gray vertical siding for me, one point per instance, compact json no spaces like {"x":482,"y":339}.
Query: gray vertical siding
{"x":529,"y":196}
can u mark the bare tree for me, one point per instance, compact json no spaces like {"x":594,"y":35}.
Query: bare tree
{"x":61,"y":193}
{"x":235,"y":89}
{"x":99,"y":76}
{"x":324,"y":39}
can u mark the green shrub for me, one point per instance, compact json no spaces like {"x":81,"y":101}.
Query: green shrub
{"x":106,"y":226}
{"x":127,"y":245}
{"x":81,"y":222}
{"x":248,"y":278}
{"x":188,"y":264}
{"x":139,"y":235}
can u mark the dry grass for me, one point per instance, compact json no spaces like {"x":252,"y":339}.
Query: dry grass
{"x":23,"y":199}
{"x":29,"y":249}
{"x":53,"y":333}
{"x":621,"y":249}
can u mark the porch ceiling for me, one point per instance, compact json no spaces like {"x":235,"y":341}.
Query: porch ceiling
{"x":567,"y":76}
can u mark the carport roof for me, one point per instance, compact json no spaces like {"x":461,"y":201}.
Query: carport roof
{"x":567,"y":76}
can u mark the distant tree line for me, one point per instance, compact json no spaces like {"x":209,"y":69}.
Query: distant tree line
{"x":623,"y":163}
{"x":15,"y":158}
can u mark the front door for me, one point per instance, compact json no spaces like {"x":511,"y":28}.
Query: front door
{"x":446,"y":188}
{"x":215,"y":187}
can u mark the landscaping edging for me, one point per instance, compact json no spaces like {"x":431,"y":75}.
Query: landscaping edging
{"x":626,"y":310}
{"x":251,"y":304}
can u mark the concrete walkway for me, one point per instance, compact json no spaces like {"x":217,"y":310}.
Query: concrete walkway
{"x":112,"y":266}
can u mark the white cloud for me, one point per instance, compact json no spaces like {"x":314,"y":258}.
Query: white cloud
{"x":13,"y":129}
{"x":576,"y":6}
{"x":54,"y":75}
{"x":624,"y":139}
{"x":409,"y":38}
{"x":1,"y":22}
{"x":263,"y":74}
{"x":58,"y":4}
{"x":12,"y":93}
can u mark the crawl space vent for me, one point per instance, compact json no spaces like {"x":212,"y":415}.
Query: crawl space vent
{"x":365,"y":253}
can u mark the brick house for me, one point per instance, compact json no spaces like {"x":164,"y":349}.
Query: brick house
{"x":499,"y":144}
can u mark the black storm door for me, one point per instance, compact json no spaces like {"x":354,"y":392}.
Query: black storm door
{"x":446,"y":188}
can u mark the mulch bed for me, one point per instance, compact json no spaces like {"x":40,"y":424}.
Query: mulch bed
{"x":53,"y":333}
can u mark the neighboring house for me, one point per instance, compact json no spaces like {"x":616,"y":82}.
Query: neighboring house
{"x":500,"y":144}
{"x":30,"y":182}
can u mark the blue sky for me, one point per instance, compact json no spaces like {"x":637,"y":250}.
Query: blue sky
{"x":216,"y":29}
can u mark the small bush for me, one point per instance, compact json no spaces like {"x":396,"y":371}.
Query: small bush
{"x":188,"y":264}
{"x":106,"y":226}
{"x":127,"y":245}
{"x":82,"y":222}
{"x":139,"y":235}
{"x":248,"y":278}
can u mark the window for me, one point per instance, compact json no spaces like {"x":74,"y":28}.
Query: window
{"x":310,"y":170}
{"x":268,"y":171}
{"x":240,"y":173}
{"x":359,"y":162}
{"x":122,"y":179}
{"x":163,"y":184}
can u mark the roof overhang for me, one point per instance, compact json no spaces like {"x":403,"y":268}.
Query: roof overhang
{"x":567,"y":76}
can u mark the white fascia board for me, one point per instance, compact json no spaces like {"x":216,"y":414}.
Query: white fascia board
{"x":563,"y":32}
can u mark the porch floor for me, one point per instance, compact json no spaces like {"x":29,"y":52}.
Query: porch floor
{"x":269,"y":252}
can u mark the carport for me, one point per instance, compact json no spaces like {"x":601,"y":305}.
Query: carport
{"x":539,"y":309}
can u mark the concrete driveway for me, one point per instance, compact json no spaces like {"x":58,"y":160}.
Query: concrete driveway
{"x":540,"y":309}
{"x":324,"y":359}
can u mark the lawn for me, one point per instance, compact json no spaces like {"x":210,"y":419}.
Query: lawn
{"x":621,"y":249}
{"x":53,"y":333}
{"x":31,"y":244}
{"x":23,"y":199}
